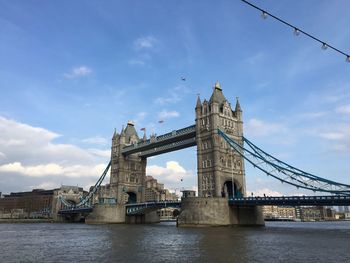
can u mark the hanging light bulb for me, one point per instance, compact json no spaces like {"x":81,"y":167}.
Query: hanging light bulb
{"x":347,"y":58}
{"x":264,"y":15}
{"x":324,"y":46}
{"x":296,"y":31}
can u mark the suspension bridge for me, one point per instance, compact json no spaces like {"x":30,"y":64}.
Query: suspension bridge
{"x":218,"y":135}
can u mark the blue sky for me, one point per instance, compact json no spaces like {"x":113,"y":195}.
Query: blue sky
{"x":72,"y":71}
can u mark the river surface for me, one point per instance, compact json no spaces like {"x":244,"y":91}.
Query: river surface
{"x":276,"y":242}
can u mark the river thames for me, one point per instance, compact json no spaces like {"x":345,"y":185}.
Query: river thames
{"x":164,"y":242}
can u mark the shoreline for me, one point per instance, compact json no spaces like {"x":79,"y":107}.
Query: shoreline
{"x":41,"y":220}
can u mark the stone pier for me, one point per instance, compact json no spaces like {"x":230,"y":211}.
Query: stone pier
{"x":215,"y":211}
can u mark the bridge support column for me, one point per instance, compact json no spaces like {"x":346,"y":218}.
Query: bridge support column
{"x":104,"y":214}
{"x":200,"y":211}
{"x":148,"y":218}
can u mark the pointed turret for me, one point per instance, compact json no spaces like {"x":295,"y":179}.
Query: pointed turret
{"x":217,"y":95}
{"x":115,"y":134}
{"x":122,"y":136}
{"x":199,"y":104}
{"x":238,"y":109}
{"x":130,"y":132}
{"x":238,"y":106}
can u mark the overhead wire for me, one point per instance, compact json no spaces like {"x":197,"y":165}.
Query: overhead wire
{"x":296,"y":30}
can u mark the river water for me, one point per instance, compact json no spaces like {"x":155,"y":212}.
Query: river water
{"x":276,"y":242}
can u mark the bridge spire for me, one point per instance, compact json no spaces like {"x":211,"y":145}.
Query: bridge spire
{"x":238,"y":106}
{"x":199,"y":104}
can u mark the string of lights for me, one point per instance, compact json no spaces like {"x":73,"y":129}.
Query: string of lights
{"x":297,"y":31}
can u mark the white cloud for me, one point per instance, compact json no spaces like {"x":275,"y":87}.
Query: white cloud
{"x":52,"y":169}
{"x":260,"y":128}
{"x":31,"y":152}
{"x":170,"y":175}
{"x":266,"y":191}
{"x":338,"y":135}
{"x":45,"y":185}
{"x":174,"y":95}
{"x":145,"y":42}
{"x":101,"y":153}
{"x":314,"y":115}
{"x":141,"y":115}
{"x":80,"y":71}
{"x":345,"y":109}
{"x":137,"y":62}
{"x":95,"y":140}
{"x":332,"y":135}
{"x":256,"y":58}
{"x":168,"y":114}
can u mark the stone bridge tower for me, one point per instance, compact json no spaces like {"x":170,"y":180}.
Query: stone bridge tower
{"x":220,"y":169}
{"x":128,"y":173}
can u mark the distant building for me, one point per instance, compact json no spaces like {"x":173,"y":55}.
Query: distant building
{"x":29,"y":204}
{"x":279,"y":212}
{"x":188,"y":193}
{"x":166,"y":214}
{"x":156,"y":192}
{"x":313,"y":213}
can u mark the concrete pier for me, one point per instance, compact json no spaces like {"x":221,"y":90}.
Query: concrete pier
{"x":201,"y":211}
{"x":106,"y":214}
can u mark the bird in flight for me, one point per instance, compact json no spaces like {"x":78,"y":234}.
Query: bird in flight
{"x":183,"y":78}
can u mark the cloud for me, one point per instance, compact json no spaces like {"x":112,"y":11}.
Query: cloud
{"x":252,"y":60}
{"x":53,"y":169}
{"x":338,"y":135}
{"x":100,"y":153}
{"x":168,"y":114}
{"x":95,"y":140}
{"x":170,"y":175}
{"x":314,"y":115}
{"x":345,"y":109}
{"x":137,"y":62}
{"x":173,"y":95}
{"x":260,"y":128}
{"x":266,"y":191}
{"x":80,"y":71}
{"x":332,"y":135}
{"x":141,"y":115}
{"x":30,"y":152}
{"x":147,"y":42}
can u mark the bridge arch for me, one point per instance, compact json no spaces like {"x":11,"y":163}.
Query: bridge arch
{"x":231,"y":189}
{"x":132,"y":197}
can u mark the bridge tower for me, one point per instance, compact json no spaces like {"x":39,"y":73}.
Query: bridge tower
{"x":128,"y":173}
{"x":220,"y":169}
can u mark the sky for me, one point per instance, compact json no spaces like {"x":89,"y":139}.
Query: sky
{"x":73,"y":71}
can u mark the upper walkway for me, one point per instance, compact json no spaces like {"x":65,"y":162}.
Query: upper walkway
{"x":172,"y":141}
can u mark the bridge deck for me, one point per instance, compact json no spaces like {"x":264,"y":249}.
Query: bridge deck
{"x":293,"y":200}
{"x":140,"y":208}
{"x":75,"y":210}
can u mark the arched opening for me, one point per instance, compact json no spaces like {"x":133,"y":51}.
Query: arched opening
{"x":231,"y":191}
{"x":132,"y":198}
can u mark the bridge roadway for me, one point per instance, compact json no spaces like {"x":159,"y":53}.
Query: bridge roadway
{"x":141,"y":208}
{"x":168,"y":142}
{"x":327,"y":200}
